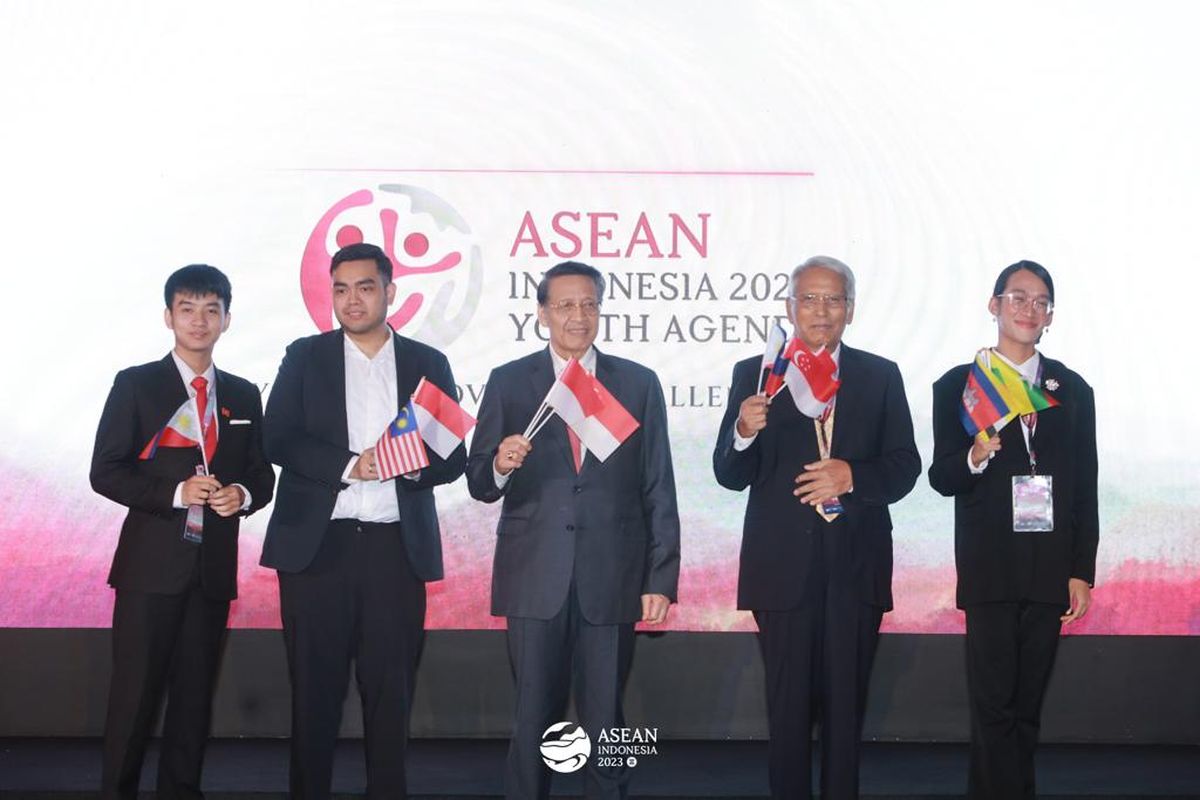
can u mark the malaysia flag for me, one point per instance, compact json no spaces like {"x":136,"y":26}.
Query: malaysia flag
{"x":443,"y":422}
{"x":400,"y":450}
{"x":811,"y":378}
{"x":598,"y":418}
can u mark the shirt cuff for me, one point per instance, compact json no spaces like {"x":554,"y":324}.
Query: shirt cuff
{"x":978,"y":470}
{"x":501,"y":480}
{"x":245,"y":494}
{"x":349,"y":468}
{"x":740,"y":442}
{"x":177,"y":500}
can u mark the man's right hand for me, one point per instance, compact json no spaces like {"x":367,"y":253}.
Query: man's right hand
{"x":752,"y":416}
{"x":982,"y":450}
{"x":197,"y":488}
{"x":511,"y":453}
{"x":364,"y":468}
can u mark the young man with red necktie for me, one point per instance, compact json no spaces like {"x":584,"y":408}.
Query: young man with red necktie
{"x":175,"y":568}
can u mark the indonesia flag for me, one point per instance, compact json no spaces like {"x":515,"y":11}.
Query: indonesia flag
{"x":598,"y":418}
{"x":442,"y":421}
{"x":181,"y":430}
{"x":811,"y":378}
{"x":400,"y":450}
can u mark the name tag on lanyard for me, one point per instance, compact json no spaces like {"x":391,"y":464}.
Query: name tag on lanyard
{"x":1032,"y":494}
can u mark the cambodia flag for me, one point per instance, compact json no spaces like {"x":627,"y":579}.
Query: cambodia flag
{"x":812,"y":378}
{"x":984,"y":408}
{"x":443,"y":422}
{"x":598,"y":418}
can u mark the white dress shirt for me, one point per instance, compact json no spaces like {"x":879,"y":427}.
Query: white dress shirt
{"x":370,"y":408}
{"x":210,"y":375}
{"x":1029,"y":371}
{"x":559,"y":363}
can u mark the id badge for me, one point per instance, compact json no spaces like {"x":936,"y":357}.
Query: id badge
{"x":1033,"y":502}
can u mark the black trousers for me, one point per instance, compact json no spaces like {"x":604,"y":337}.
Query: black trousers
{"x":818,"y":663}
{"x":161,"y":641}
{"x":1010,"y":652}
{"x":358,"y":601}
{"x":544,"y":654}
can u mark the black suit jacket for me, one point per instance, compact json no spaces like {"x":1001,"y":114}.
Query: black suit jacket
{"x":995,"y":563}
{"x":306,"y":434}
{"x":152,"y":555}
{"x":872,"y":431}
{"x":613,"y":528}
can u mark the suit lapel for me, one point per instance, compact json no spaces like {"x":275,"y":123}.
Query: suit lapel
{"x":849,"y":396}
{"x":331,"y":361}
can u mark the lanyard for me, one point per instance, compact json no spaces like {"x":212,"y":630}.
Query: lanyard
{"x":824,"y":425}
{"x":1030,"y":422}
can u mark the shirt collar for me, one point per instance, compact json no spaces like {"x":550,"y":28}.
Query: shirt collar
{"x":388,"y":351}
{"x":186,"y":373}
{"x":588,"y":361}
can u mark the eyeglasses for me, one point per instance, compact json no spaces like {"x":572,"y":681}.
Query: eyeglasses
{"x":567,"y":308}
{"x":810,"y":301}
{"x":1022,"y":302}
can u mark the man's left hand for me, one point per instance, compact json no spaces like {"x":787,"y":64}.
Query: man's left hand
{"x":823,"y":480}
{"x":1081,"y":600}
{"x":227,"y":500}
{"x":655,"y":608}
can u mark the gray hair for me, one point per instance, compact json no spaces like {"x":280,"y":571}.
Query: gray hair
{"x":833,"y":265}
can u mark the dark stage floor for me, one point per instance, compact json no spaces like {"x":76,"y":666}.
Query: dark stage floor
{"x":58,"y":769}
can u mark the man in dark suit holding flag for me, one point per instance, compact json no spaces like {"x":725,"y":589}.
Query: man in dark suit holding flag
{"x":180,"y":445}
{"x":353,"y":552}
{"x":816,"y":560}
{"x":585,"y":548}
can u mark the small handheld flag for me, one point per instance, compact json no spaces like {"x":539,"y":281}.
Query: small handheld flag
{"x":443,"y":422}
{"x":811,"y":378}
{"x":400,"y":450}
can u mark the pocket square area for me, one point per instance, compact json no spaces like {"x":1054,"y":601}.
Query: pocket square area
{"x":239,"y":422}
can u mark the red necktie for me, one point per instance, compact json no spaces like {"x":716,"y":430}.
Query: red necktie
{"x":209,"y":431}
{"x":576,"y":450}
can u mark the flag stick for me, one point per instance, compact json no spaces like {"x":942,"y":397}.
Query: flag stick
{"x":542,"y":424}
{"x":537,"y":416}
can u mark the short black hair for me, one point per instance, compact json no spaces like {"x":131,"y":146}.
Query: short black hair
{"x":1029,"y":266}
{"x":197,"y":280}
{"x":364,"y":252}
{"x":569,"y":268}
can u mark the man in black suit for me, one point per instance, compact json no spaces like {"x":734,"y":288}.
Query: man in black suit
{"x":353,"y":553}
{"x":584,"y":549}
{"x":174,"y":585}
{"x":1017,"y":587}
{"x":816,"y":562}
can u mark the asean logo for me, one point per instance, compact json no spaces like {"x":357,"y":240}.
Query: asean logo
{"x":565,"y":747}
{"x":436,"y":262}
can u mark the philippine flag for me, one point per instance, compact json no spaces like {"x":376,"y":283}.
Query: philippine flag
{"x":443,"y":422}
{"x":811,"y":378}
{"x":399,"y":450}
{"x":181,"y":430}
{"x":598,"y":418}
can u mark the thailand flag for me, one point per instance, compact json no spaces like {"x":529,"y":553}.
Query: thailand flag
{"x":443,"y":422}
{"x":775,"y":359}
{"x":400,"y":450}
{"x":598,"y":418}
{"x":811,"y":378}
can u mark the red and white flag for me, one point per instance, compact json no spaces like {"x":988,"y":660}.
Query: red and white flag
{"x":812,"y":378}
{"x":598,"y":418}
{"x":443,"y":422}
{"x":400,"y":450}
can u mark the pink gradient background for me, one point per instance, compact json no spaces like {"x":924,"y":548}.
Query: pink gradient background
{"x":57,"y":547}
